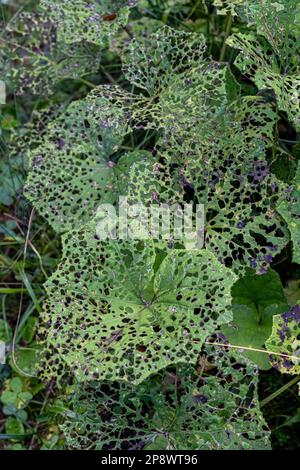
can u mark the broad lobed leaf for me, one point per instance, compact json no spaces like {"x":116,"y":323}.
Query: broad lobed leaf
{"x":131,"y":309}
{"x":180,"y":408}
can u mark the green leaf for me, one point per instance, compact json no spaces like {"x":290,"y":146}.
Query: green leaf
{"x":94,"y":22}
{"x":292,"y":292}
{"x":16,"y":385}
{"x":259,"y":292}
{"x":149,"y":316}
{"x":159,"y":443}
{"x":14,"y":426}
{"x":9,"y":398}
{"x":259,"y":62}
{"x":255,"y":300}
{"x":21,"y":414}
{"x":80,"y":166}
{"x":247,"y":329}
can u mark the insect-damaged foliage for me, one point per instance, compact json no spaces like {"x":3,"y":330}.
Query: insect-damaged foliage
{"x":284,"y":341}
{"x":179,"y":408}
{"x":179,"y":85}
{"x":93,"y":22}
{"x":124,"y":309}
{"x":129,"y":319}
{"x":290,"y":211}
{"x":61,"y":40}
{"x":270,"y":58}
{"x":222,"y":159}
{"x":79,"y":164}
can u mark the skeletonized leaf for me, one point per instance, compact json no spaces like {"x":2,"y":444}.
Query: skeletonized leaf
{"x":91,"y":21}
{"x":258,"y":61}
{"x":35,"y":61}
{"x":256,"y":299}
{"x":122,"y":309}
{"x":212,"y":407}
{"x":78,"y":165}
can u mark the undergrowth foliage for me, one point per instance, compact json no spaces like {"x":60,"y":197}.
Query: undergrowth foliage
{"x":138,"y":325}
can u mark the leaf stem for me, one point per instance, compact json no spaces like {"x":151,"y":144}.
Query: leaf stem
{"x":227,"y":32}
{"x":246,"y":348}
{"x":279,"y":391}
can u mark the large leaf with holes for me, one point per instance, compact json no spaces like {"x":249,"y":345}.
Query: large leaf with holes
{"x":258,"y":61}
{"x":122,"y":309}
{"x":176,"y":80}
{"x":35,"y":61}
{"x":270,"y":58}
{"x":150,"y":63}
{"x":242,"y":230}
{"x":91,"y":21}
{"x":225,"y":130}
{"x":172,"y":409}
{"x":256,"y":299}
{"x":290,"y":211}
{"x":284,"y":342}
{"x":221,"y":164}
{"x":227,"y":172}
{"x":78,"y":166}
{"x":278,"y":21}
